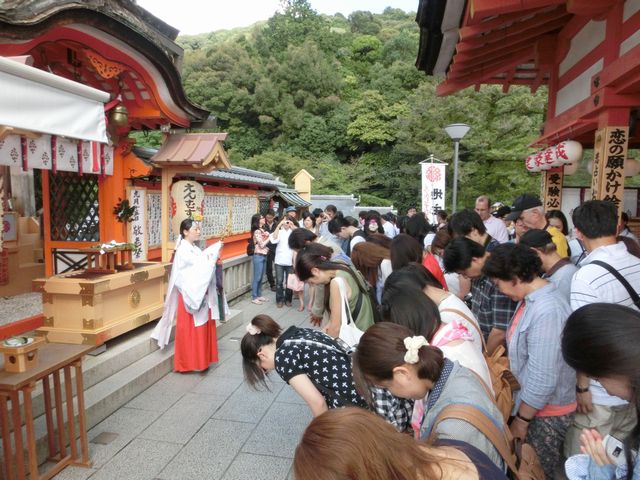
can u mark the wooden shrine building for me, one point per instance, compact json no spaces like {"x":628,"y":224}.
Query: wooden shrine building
{"x":587,"y":52}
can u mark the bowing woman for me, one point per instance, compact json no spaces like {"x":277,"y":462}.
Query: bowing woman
{"x":312,"y":362}
{"x":192,"y":299}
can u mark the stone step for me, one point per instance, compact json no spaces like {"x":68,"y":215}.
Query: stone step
{"x":111,"y":379}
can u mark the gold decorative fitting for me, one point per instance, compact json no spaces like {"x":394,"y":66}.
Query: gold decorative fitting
{"x":47,"y":297}
{"x":86,"y":288}
{"x":139,"y":276}
{"x":134,"y":298}
{"x":105,"y":68}
{"x":167,"y":273}
{"x":88,"y":323}
{"x":87,"y":300}
{"x":48,"y":321}
{"x":141,"y":320}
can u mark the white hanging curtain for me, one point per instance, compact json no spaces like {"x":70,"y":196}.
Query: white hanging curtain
{"x":38,"y":101}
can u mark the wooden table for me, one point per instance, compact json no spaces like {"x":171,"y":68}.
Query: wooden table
{"x":54,"y":358}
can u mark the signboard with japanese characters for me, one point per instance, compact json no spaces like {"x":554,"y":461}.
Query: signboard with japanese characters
{"x":154,"y":215}
{"x":138,"y":223}
{"x":598,"y":155}
{"x":553,"y":188}
{"x":187,"y":198}
{"x":611,"y":167}
{"x":433,"y":189}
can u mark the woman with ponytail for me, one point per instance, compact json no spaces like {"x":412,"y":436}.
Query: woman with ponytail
{"x":314,"y":364}
{"x":392,"y":357}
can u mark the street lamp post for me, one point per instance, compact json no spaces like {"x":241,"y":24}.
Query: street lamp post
{"x":456,"y":132}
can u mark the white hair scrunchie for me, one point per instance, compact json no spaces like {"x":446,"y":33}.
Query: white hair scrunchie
{"x":413,"y":345}
{"x":253,"y":330}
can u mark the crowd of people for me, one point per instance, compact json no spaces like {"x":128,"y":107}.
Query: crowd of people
{"x":491,"y":328}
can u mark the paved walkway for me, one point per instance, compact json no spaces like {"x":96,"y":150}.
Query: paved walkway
{"x":203,"y":426}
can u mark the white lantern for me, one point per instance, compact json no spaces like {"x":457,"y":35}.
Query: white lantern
{"x":568,"y":151}
{"x":186,"y":201}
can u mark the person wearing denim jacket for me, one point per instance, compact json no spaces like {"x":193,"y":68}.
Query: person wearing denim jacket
{"x":545,"y":404}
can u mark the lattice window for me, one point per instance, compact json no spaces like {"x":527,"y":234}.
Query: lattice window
{"x":74,"y":210}
{"x":264,"y":205}
{"x":37,"y":187}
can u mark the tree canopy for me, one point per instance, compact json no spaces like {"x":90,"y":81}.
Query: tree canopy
{"x":342,"y":98}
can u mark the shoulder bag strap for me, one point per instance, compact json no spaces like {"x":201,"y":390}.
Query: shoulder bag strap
{"x":480,"y":421}
{"x":356,"y":310}
{"x":632,"y":293}
{"x":342,"y":285}
{"x":472,"y":322}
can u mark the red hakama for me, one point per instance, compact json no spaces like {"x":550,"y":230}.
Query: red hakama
{"x":195,"y":347}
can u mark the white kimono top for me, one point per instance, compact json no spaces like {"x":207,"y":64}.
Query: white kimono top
{"x":193,"y":276}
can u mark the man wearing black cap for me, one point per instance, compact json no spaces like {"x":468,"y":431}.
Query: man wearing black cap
{"x":557,"y":270}
{"x":529,"y":209}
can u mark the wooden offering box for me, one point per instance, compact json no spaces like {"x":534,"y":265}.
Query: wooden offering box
{"x":84,"y":307}
{"x":110,"y":260}
{"x":21,"y":358}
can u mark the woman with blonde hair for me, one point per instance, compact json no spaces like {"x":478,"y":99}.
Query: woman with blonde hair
{"x":364,"y":439}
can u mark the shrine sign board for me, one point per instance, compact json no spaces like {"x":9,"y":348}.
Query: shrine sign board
{"x":433,"y":189}
{"x":610,"y":151}
{"x":552,"y":188}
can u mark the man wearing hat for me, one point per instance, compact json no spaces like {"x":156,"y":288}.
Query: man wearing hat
{"x":528,"y":208}
{"x":557,"y":270}
{"x":292,"y":213}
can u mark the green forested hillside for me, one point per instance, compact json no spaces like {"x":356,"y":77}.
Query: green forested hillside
{"x":342,"y":98}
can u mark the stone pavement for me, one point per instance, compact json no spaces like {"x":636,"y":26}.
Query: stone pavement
{"x":204,"y":425}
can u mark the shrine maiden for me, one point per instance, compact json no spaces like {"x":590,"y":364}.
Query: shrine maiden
{"x":193,"y":297}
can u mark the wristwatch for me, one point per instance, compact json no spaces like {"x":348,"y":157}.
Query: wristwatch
{"x":580,"y":389}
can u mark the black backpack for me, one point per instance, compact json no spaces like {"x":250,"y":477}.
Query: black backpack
{"x":251,"y":247}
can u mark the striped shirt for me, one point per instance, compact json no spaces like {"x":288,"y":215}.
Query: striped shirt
{"x":592,"y":284}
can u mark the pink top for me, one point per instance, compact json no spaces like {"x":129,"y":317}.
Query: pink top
{"x":260,"y":240}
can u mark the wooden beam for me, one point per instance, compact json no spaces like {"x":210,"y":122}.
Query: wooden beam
{"x":491,"y":52}
{"x":501,"y":21}
{"x":535,"y":27}
{"x":589,"y":8}
{"x":452,"y":85}
{"x":130,"y":82}
{"x":487,"y":8}
{"x":5,"y":131}
{"x":513,"y":59}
